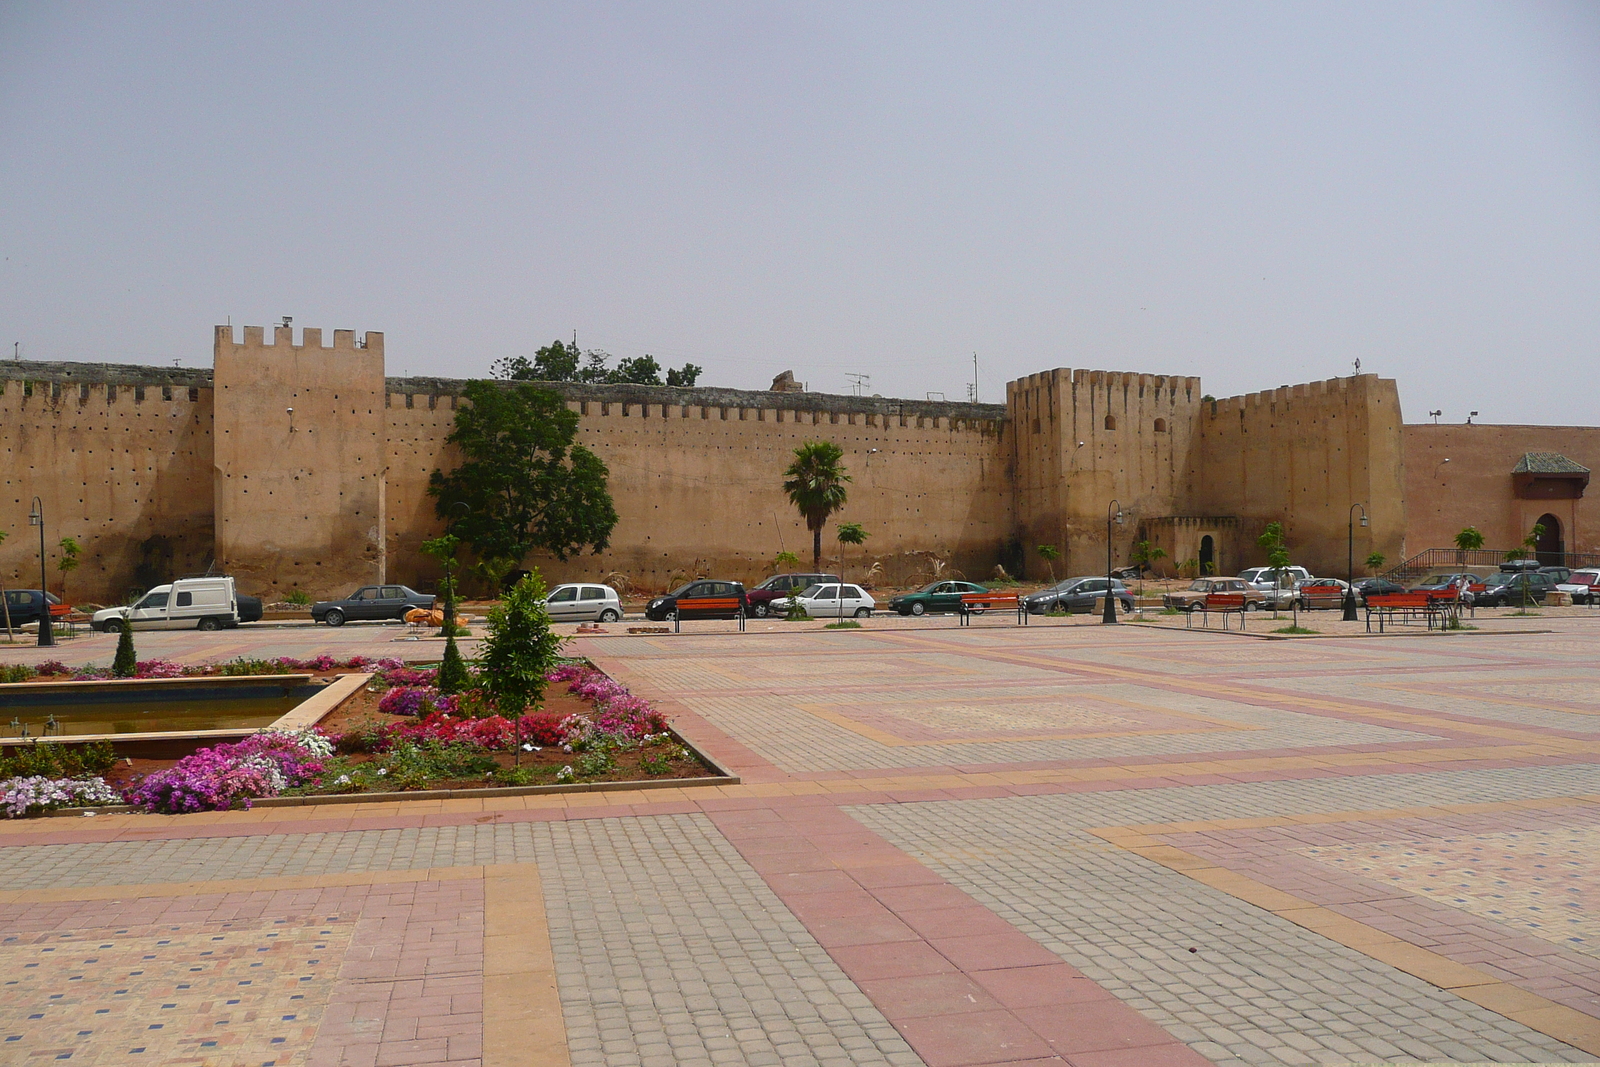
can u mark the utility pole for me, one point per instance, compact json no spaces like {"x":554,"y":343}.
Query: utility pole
{"x":974,"y":377}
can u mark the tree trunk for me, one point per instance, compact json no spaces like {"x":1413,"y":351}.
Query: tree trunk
{"x":816,"y":549}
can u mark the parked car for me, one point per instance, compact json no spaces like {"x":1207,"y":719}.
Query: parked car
{"x":1077,"y":595}
{"x":1321,"y":593}
{"x":1580,"y":586}
{"x":27,"y":605}
{"x":942,"y":596}
{"x":1435,"y":583}
{"x":1560,"y":574}
{"x":1522,"y":565}
{"x":1190,"y":599}
{"x":825,"y":601}
{"x":782,"y":585}
{"x":371,"y":602}
{"x":579,"y":602}
{"x":1514,"y":588}
{"x":188,"y":603}
{"x":1278,"y":583}
{"x":1377,"y":587}
{"x":700,"y":599}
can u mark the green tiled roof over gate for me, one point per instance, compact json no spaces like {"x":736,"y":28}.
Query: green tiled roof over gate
{"x":1547,"y":463}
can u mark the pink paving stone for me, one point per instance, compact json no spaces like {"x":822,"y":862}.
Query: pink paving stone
{"x":898,"y":959}
{"x":985,"y":1037}
{"x":1093,"y":1026}
{"x":989,"y":951}
{"x":922,"y":995}
{"x":1036,"y":987}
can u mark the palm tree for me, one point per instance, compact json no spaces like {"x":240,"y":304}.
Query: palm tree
{"x":815,"y":484}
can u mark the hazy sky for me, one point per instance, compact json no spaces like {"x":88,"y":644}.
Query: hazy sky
{"x":1255,"y":193}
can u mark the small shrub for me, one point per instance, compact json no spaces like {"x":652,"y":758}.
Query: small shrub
{"x":16,"y":672}
{"x":297,"y":597}
{"x":595,"y":763}
{"x":514,"y":776}
{"x":543,"y":728}
{"x":52,"y":667}
{"x":126,"y":661}
{"x":844,"y":624}
{"x":656,"y":763}
{"x":796,"y":612}
{"x":1295,"y":630}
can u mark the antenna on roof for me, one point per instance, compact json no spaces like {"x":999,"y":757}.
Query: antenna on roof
{"x":1436,"y":415}
{"x":858,"y":382}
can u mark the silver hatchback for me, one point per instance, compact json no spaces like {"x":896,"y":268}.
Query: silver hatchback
{"x":583,"y":602}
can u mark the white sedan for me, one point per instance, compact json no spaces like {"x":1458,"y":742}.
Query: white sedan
{"x":825,"y":602}
{"x":583,"y":602}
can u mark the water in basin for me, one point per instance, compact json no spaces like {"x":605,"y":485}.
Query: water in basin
{"x":135,"y":710}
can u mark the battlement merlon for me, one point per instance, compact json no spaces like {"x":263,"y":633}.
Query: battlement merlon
{"x":283,"y":338}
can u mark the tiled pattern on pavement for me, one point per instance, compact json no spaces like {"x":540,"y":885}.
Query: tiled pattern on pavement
{"x":1258,"y":989}
{"x":243,"y":991}
{"x":1545,"y":882}
{"x":671,"y":950}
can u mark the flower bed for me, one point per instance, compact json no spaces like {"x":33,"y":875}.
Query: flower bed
{"x":54,"y":670}
{"x":404,"y":737}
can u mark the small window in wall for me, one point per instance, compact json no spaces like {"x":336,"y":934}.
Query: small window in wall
{"x":1161,"y":426}
{"x":1111,"y":422}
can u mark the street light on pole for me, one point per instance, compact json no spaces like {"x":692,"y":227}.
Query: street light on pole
{"x":1113,"y":514}
{"x":1350,"y":561}
{"x":47,"y":637}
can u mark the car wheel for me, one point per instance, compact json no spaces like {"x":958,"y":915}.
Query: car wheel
{"x":761,"y":610}
{"x":863,"y":613}
{"x":1127,"y":606}
{"x":210,"y":625}
{"x":609,"y":615}
{"x":978,"y":609}
{"x":335,"y":617}
{"x":919,"y":608}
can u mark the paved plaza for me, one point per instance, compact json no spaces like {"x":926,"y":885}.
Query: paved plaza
{"x":1059,"y":844}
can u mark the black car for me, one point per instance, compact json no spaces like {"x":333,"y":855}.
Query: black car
{"x":1438,"y":583}
{"x":371,"y":602}
{"x":1560,"y":574}
{"x":1077,"y":595}
{"x":1377,"y":587}
{"x":1512,"y":588}
{"x":26,"y":605}
{"x":761,"y":597}
{"x":700,"y":599}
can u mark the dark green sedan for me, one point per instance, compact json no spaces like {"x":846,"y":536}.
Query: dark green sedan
{"x":935,"y":596}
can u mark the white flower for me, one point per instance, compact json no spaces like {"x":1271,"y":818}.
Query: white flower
{"x":344,"y":779}
{"x":383,"y":770}
{"x":566,"y":748}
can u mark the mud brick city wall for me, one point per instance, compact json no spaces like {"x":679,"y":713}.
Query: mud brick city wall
{"x":121,"y":457}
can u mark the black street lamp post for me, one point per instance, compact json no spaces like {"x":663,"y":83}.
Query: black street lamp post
{"x":47,"y":637}
{"x":1113,"y":514}
{"x":1350,"y":562}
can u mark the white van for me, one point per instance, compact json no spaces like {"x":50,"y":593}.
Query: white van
{"x":186,"y":604}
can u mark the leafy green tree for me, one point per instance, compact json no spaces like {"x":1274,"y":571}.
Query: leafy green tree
{"x":1049,"y":553}
{"x":1277,"y":547}
{"x":1530,"y":544}
{"x":561,"y":361}
{"x":1144,"y":554}
{"x":518,"y":649}
{"x":453,"y":675}
{"x":815,"y":482}
{"x":126,"y":662}
{"x":1376,"y":561}
{"x":69,"y":562}
{"x":785,"y":559}
{"x":525,"y":483}
{"x":1469,"y":539}
{"x":849,"y":533}
{"x":685,"y":376}
{"x":556,"y":362}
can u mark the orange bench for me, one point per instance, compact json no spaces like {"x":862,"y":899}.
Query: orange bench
{"x":708,"y":605}
{"x":1223,"y":604}
{"x":978,"y":603}
{"x":1430,"y":606}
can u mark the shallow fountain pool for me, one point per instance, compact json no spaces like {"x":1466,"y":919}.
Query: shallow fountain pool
{"x":77,"y":709}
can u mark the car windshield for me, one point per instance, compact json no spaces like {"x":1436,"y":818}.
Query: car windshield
{"x":777,"y":581}
{"x":682,"y":589}
{"x":1199,"y":585}
{"x":1504,"y":577}
{"x":812,"y":590}
{"x":1438,"y":579}
{"x":930,"y":587}
{"x":1585,"y":578}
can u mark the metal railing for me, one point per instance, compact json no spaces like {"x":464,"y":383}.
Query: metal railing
{"x":1478,"y":559}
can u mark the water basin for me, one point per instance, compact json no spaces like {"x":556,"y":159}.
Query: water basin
{"x":149,"y":705}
